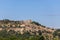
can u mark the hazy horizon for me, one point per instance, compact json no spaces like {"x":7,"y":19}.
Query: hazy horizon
{"x":46,"y":12}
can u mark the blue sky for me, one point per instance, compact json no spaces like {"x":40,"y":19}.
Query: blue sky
{"x":46,"y":12}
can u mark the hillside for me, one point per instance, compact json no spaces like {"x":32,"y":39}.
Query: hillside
{"x":27,"y":27}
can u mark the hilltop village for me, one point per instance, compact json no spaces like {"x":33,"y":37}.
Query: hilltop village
{"x":26,"y":27}
{"x":22,"y":26}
